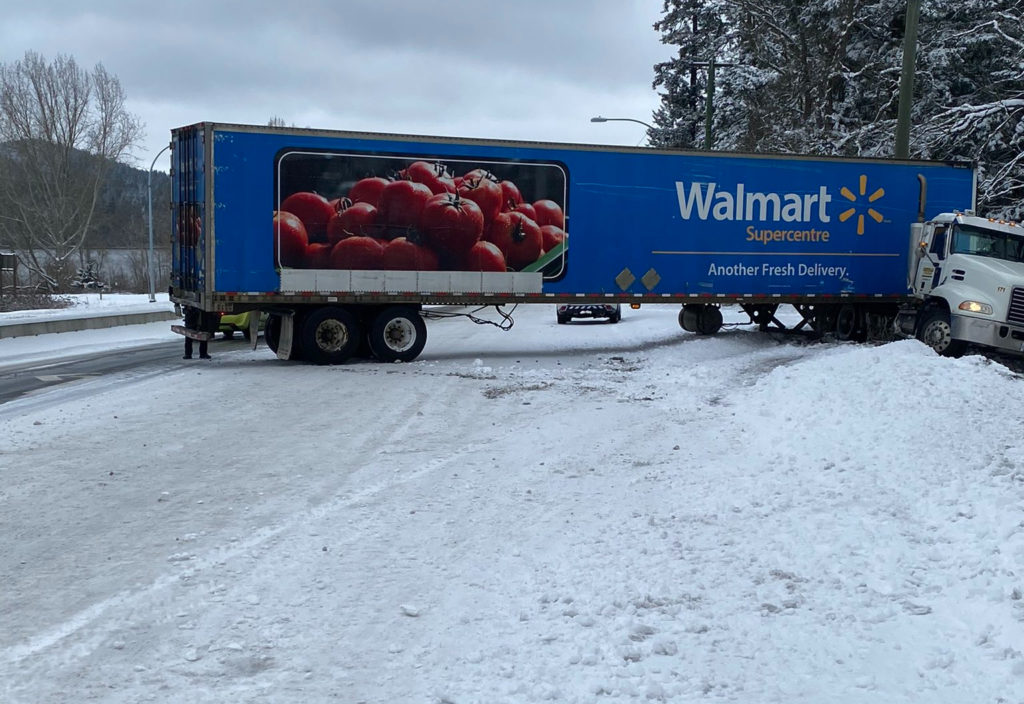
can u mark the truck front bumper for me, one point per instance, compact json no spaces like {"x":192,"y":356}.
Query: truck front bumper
{"x":990,"y":333}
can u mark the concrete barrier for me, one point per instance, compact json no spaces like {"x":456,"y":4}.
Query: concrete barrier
{"x":47,"y":325}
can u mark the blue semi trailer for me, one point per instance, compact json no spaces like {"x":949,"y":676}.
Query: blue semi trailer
{"x":343,"y":237}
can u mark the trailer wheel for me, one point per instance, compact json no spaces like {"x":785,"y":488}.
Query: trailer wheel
{"x":850,"y":323}
{"x":846,"y":322}
{"x":709,"y":320}
{"x":688,"y":317}
{"x":272,"y":336}
{"x":398,"y":334}
{"x":272,"y":332}
{"x":937,"y":333}
{"x":329,"y":335}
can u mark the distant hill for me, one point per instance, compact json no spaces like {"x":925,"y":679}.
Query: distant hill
{"x":121,"y":213}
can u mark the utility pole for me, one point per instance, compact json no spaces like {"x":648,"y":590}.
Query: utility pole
{"x":907,"y":80}
{"x":709,"y":104}
{"x":709,"y":99}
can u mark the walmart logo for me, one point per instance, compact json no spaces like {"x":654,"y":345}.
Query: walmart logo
{"x":861,"y":205}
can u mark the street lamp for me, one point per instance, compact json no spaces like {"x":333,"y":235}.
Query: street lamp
{"x":152,"y":256}
{"x":621,"y":119}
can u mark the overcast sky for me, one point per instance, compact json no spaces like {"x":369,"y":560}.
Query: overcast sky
{"x":520,"y":69}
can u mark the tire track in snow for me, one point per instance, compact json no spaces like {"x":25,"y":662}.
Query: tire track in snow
{"x":131,"y":600}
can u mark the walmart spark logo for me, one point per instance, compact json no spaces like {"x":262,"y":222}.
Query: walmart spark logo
{"x":871,"y":212}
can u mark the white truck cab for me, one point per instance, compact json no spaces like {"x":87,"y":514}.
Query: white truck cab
{"x":967,"y":275}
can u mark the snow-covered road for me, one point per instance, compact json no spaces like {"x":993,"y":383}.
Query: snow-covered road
{"x":558,"y":513}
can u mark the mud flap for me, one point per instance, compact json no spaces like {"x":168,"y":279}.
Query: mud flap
{"x":254,"y":328}
{"x":284,"y":344}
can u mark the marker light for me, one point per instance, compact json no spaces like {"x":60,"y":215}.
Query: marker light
{"x":976,"y":307}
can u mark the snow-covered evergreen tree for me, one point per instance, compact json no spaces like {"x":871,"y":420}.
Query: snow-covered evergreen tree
{"x":973,"y":100}
{"x":700,"y":30}
{"x":822,"y":77}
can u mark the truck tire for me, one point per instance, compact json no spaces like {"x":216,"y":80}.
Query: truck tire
{"x":937,"y":333}
{"x":847,"y":322}
{"x":398,"y":334}
{"x":709,"y":320}
{"x":272,"y":336}
{"x":272,"y":332}
{"x":688,"y":317}
{"x":329,"y":335}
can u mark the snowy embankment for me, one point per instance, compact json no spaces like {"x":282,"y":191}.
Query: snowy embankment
{"x":565,"y":513}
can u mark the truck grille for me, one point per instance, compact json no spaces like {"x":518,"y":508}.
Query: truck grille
{"x":1015,"y":316}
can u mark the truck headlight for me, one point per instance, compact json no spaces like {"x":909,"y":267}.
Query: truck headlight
{"x":976,"y":307}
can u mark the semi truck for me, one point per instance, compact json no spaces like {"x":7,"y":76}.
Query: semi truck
{"x":347,"y":241}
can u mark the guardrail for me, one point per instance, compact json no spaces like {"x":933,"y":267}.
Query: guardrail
{"x":40,"y":327}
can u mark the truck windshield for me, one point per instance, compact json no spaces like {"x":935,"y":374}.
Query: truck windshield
{"x":968,"y":239}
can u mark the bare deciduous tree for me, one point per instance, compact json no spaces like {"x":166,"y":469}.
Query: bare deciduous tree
{"x":61,"y":129}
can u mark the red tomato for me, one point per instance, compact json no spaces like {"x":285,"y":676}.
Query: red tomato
{"x":485,"y":192}
{"x":402,"y":254}
{"x":510,"y":195}
{"x":499,"y":229}
{"x":401,"y":204}
{"x":368,"y":190}
{"x":474,"y":174}
{"x":318,"y":255}
{"x":290,"y":240}
{"x":357,"y":253}
{"x":526,"y":209}
{"x":313,"y":210}
{"x":450,"y":223}
{"x":517,"y":236}
{"x":484,"y":256}
{"x":434,"y":176}
{"x":549,"y":213}
{"x":356,"y":219}
{"x":551,"y":237}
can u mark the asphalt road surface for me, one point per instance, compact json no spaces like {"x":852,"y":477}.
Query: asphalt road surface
{"x":35,"y":379}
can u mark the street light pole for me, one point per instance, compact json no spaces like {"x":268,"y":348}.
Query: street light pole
{"x":621,"y":119}
{"x":650,"y":128}
{"x":152,"y":255}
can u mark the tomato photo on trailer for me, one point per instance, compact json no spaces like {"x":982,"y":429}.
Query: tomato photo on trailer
{"x":440,"y":207}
